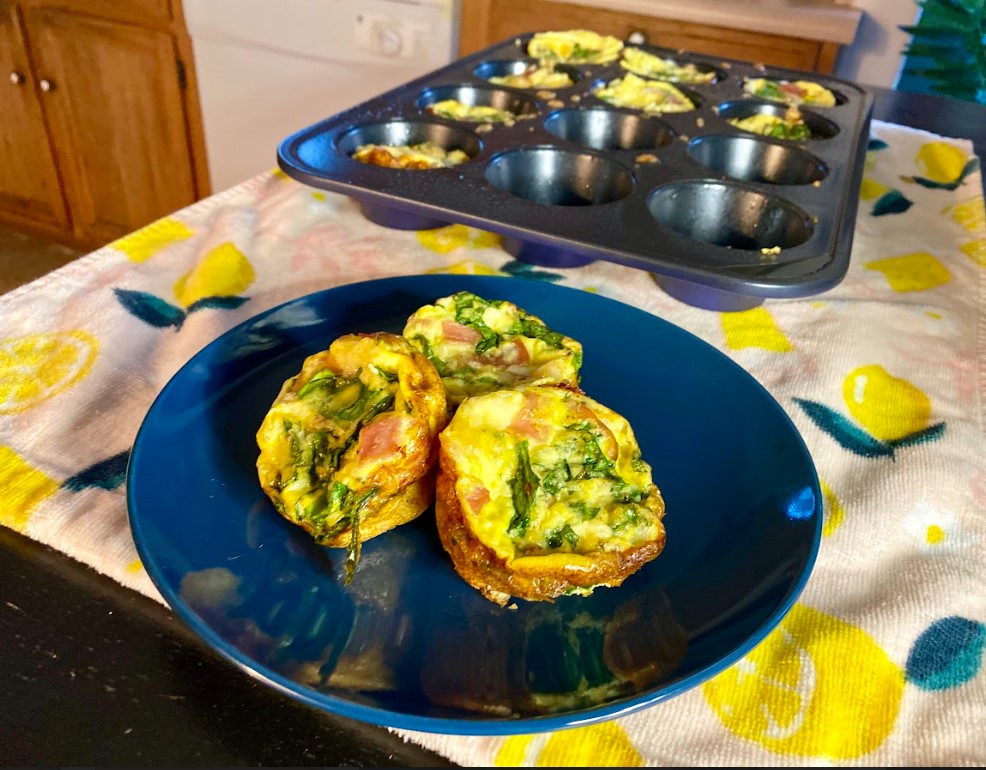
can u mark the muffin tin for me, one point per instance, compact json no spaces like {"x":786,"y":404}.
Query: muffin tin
{"x":722,"y":218}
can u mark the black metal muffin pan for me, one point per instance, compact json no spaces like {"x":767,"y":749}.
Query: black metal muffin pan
{"x":722,"y":218}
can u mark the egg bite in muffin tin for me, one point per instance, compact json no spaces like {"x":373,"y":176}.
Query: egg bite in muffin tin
{"x":667,"y":161}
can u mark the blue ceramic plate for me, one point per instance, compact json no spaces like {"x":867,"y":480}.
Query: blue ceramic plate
{"x":408,"y":644}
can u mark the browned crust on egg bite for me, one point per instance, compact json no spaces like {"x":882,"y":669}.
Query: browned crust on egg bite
{"x":497,"y":580}
{"x":535,"y":577}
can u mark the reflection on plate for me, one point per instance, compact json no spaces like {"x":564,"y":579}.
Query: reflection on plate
{"x":410,"y":645}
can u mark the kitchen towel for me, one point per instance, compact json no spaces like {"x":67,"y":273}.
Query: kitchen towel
{"x":880,"y":662}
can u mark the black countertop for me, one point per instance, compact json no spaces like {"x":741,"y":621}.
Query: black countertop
{"x":93,"y":674}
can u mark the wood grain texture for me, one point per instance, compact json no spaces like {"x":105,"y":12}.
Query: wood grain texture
{"x":485,"y":22}
{"x":29,"y":185}
{"x":116,"y":119}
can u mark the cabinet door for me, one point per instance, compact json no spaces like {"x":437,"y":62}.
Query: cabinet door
{"x":114,"y":103}
{"x":29,"y":185}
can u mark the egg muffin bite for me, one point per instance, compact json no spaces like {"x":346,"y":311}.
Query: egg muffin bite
{"x":542,"y":492}
{"x":409,"y":156}
{"x":453,"y":109}
{"x":791,"y":126}
{"x":649,"y":65}
{"x":574,"y":46}
{"x":542,"y":75}
{"x":349,"y":446}
{"x":479,"y":345}
{"x":651,"y":96}
{"x":790,"y":92}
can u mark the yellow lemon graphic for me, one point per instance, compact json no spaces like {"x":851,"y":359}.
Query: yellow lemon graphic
{"x":467,"y":267}
{"x":912,"y":272}
{"x":888,"y":407}
{"x":754,"y":328}
{"x":601,"y":745}
{"x":968,"y":213}
{"x":815,"y":687}
{"x":940,"y":162}
{"x":451,"y":237}
{"x":976,"y":251}
{"x":870,"y":189}
{"x":36,"y":367}
{"x":835,"y":514}
{"x":223,"y":272}
{"x":143,"y":244}
{"x":22,"y":488}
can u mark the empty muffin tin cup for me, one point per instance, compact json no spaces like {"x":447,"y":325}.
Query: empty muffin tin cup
{"x":397,"y":133}
{"x":557,"y":177}
{"x":751,"y":227}
{"x":757,"y":160}
{"x":609,"y":129}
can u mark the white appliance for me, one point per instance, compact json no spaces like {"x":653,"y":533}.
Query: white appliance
{"x":267,"y":68}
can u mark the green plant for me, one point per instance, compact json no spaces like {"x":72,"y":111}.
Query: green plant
{"x":948,"y":44}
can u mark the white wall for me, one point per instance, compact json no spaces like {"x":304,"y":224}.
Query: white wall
{"x":874,"y":57}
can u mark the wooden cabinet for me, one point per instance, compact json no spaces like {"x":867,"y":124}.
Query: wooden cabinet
{"x":30,"y":190}
{"x":485,"y":22}
{"x":105,"y":135}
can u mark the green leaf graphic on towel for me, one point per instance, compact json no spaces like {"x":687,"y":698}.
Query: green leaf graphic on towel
{"x":150,"y":309}
{"x":520,"y":269}
{"x":107,"y":474}
{"x":156,"y":312}
{"x":891,"y":413}
{"x":891,"y":202}
{"x":947,"y":654}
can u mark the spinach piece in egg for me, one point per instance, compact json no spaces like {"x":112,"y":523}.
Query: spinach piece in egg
{"x":523,"y":486}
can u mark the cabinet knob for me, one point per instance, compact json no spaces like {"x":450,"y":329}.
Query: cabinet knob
{"x":46,"y":85}
{"x":637,"y":37}
{"x":17,"y":78}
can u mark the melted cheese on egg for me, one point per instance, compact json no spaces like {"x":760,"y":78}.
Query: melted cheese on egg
{"x":544,"y":474}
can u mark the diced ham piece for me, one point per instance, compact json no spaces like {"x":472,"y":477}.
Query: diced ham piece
{"x":456,"y":332}
{"x":526,"y":422}
{"x":792,"y":89}
{"x":477,"y":497}
{"x":381,"y":437}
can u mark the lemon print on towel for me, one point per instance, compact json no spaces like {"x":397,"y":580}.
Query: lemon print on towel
{"x":886,"y":200}
{"x":888,"y":413}
{"x":141,"y":245}
{"x":970,"y":214}
{"x":600,"y":745}
{"x":216,"y":282}
{"x":942,"y":166}
{"x":36,"y":367}
{"x":815,"y":687}
{"x":920,"y":271}
{"x":754,"y":328}
{"x":445,"y":239}
{"x":22,"y":489}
